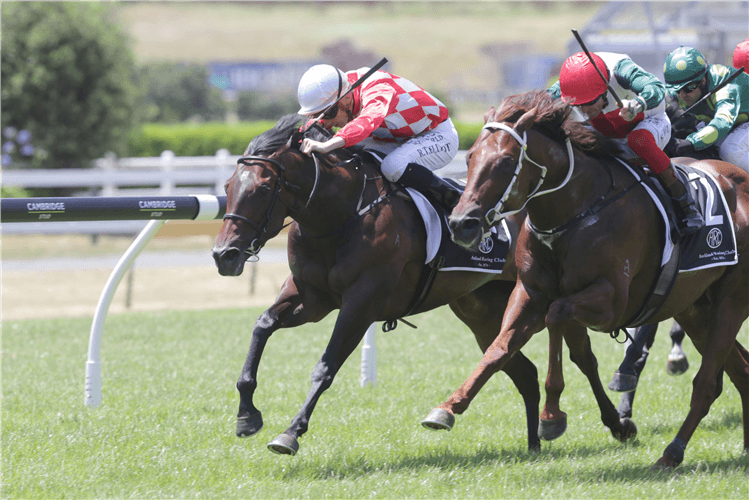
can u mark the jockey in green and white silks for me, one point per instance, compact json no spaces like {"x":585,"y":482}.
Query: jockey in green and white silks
{"x":725,"y":113}
{"x":640,"y":124}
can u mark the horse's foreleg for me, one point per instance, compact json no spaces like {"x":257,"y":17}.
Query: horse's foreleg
{"x":582,"y":355}
{"x":553,"y":421}
{"x":289,"y":310}
{"x":351,"y":325}
{"x":571,"y":315}
{"x":523,"y":318}
{"x":636,"y":354}
{"x":628,"y":398}
{"x":482,"y":310}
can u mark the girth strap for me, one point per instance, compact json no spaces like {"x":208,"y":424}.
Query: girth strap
{"x":426,"y":280}
{"x":660,"y":291}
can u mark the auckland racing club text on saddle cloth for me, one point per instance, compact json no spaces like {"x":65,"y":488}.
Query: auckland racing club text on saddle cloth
{"x":492,"y":253}
{"x":715,"y":243}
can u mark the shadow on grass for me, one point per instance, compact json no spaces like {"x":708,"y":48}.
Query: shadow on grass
{"x":540,"y":465}
{"x":729,"y":419}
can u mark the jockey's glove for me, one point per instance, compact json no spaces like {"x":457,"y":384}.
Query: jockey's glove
{"x":682,"y":147}
{"x":630,"y":109}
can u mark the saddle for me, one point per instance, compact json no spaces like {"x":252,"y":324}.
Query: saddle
{"x":442,"y":254}
{"x":713,"y":245}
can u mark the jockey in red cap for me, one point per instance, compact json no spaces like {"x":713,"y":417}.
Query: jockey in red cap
{"x":741,"y":55}
{"x":641,"y":123}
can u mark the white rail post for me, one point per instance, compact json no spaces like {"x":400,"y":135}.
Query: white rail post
{"x":369,"y":358}
{"x":222,"y":171}
{"x":167,"y":180}
{"x":93,"y":365}
{"x":109,"y":165}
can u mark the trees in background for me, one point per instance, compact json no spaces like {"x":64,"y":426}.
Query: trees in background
{"x":68,"y":83}
{"x":173,"y":92}
{"x":256,"y":106}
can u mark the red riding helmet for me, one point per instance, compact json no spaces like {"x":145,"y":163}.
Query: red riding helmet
{"x":741,"y":55}
{"x":580,"y":81}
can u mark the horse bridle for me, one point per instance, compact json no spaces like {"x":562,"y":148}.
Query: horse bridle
{"x":257,"y":244}
{"x":496,"y":214}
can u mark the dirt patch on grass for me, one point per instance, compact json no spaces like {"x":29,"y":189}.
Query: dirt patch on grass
{"x":75,"y":292}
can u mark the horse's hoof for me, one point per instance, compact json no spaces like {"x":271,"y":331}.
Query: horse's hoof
{"x":628,"y":432}
{"x":677,"y":362}
{"x":621,"y":382}
{"x":665,"y":463}
{"x":439,"y":419}
{"x":284,"y":445}
{"x":548,"y":430}
{"x":249,"y":425}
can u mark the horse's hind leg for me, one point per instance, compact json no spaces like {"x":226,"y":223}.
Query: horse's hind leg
{"x":720,"y":351}
{"x":482,"y":311}
{"x":737,"y":369}
{"x":291,"y":308}
{"x":524,"y":375}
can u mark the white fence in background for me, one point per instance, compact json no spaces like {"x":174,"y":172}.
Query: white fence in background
{"x":165,"y":175}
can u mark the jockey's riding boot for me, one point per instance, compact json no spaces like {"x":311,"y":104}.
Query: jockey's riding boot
{"x":423,"y":180}
{"x":691,"y":218}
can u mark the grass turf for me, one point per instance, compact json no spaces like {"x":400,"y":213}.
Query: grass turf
{"x":166,"y":425}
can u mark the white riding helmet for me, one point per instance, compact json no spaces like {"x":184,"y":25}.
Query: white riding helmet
{"x":320,"y":86}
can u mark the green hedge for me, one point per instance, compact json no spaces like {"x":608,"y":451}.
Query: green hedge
{"x":206,"y":139}
{"x":195,"y":140}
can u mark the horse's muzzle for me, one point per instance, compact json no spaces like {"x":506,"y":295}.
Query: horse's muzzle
{"x":229,"y":260}
{"x":466,"y":229}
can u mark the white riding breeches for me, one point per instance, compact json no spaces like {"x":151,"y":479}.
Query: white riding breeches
{"x":432,"y":149}
{"x":659,"y":125}
{"x":734,"y":148}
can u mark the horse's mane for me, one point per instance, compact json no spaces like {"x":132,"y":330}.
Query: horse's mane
{"x":288,"y":128}
{"x":553,"y":119}
{"x":273,"y":139}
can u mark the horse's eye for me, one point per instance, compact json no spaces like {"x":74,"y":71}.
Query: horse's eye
{"x":264,"y":188}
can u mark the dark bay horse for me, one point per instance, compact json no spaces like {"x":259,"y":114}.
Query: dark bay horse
{"x":588,"y":255}
{"x":353,"y":246}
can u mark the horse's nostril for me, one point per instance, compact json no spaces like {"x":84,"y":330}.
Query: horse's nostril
{"x":471,"y":225}
{"x":230,"y":255}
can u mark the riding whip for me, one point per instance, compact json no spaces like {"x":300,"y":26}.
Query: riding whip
{"x":585,"y":49}
{"x":358,"y":82}
{"x":717,"y":88}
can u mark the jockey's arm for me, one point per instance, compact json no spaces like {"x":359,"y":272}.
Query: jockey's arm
{"x":650,"y":91}
{"x":309,"y":146}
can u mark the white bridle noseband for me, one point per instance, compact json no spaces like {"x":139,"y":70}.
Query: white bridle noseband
{"x":497,"y":213}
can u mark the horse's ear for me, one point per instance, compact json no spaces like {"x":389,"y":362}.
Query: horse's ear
{"x":296,"y":139}
{"x":526,"y":121}
{"x":489,"y":114}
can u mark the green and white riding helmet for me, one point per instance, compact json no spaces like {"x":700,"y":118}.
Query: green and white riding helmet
{"x":682,"y":67}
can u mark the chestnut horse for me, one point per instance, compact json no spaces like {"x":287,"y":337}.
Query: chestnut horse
{"x":353,"y":246}
{"x":589,"y":253}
